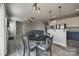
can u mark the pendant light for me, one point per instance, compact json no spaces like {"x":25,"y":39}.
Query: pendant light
{"x":61,"y":25}
{"x":59,"y":15}
{"x":35,"y":8}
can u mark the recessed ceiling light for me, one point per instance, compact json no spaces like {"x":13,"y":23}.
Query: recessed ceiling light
{"x":76,"y":9}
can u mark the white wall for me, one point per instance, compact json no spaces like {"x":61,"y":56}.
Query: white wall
{"x":3,"y":47}
{"x":12,"y":28}
{"x":38,"y":26}
{"x":19,"y":28}
{"x":27,"y":27}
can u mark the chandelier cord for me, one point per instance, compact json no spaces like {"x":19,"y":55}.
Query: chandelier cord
{"x":59,"y":12}
{"x":50,"y":14}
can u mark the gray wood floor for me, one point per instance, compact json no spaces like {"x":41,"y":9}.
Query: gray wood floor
{"x":15,"y":48}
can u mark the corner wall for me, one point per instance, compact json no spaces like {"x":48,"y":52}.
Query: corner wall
{"x":3,"y":42}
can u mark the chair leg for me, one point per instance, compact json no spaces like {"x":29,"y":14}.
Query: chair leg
{"x":29,"y":53}
{"x":50,"y":52}
{"x":24,"y":51}
{"x":24,"y":47}
{"x":29,"y":49}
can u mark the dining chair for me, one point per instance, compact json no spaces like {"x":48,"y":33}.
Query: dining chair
{"x":28,"y":45}
{"x":35,"y":41}
{"x":47,"y":45}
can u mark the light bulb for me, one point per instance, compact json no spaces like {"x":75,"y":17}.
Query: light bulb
{"x":33,"y":8}
{"x":28,"y":21}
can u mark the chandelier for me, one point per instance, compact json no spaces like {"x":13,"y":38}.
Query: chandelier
{"x":35,"y":8}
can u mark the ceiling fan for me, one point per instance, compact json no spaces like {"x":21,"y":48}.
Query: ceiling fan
{"x":29,"y":19}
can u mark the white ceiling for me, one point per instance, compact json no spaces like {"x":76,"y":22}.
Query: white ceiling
{"x":24,"y":10}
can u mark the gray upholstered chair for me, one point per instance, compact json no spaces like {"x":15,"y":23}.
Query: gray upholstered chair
{"x":28,"y":45}
{"x":46,"y":46}
{"x":35,"y":41}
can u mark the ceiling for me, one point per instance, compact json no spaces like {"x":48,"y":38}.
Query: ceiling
{"x":24,"y":10}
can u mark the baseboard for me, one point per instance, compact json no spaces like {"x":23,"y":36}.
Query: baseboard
{"x":59,"y":44}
